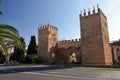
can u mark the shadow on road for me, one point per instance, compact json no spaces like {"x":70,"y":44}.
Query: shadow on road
{"x":35,"y":68}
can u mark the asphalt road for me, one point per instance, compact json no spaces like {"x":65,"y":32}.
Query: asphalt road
{"x":51,"y":72}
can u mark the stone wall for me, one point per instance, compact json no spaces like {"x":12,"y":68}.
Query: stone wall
{"x":69,"y":43}
{"x":95,"y":47}
{"x":92,"y":49}
{"x":47,"y":39}
{"x":66,"y":48}
{"x":116,"y":53}
{"x":117,"y":48}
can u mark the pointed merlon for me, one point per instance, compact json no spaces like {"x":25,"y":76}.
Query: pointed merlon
{"x":48,"y":24}
{"x":88,"y":11}
{"x":93,"y":9}
{"x":41,"y":25}
{"x":84,"y":12}
{"x":98,"y":8}
{"x":80,"y":13}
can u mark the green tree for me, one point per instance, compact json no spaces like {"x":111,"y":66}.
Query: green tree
{"x":32,"y":47}
{"x":8,"y":35}
{"x":2,"y":57}
{"x":32,"y":56}
{"x":32,"y":59}
{"x":19,"y":53}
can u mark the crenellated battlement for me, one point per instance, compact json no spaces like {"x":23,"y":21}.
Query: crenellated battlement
{"x":47,"y":40}
{"x":69,"y":41}
{"x":44,"y":27}
{"x":89,"y":13}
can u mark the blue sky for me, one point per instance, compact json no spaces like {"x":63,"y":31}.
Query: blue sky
{"x":27,"y":15}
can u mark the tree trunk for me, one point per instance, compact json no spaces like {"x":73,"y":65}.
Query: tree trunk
{"x":7,"y":58}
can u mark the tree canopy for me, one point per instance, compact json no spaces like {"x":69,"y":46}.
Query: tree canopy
{"x":19,"y":53}
{"x":9,"y":37}
{"x":32,"y":47}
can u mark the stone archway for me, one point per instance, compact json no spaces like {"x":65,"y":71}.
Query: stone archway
{"x":72,"y":58}
{"x":74,"y":54}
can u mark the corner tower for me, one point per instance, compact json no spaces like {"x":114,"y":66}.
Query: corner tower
{"x":47,"y":40}
{"x":95,"y":46}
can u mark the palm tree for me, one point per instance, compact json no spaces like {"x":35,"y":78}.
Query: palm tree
{"x":8,"y":35}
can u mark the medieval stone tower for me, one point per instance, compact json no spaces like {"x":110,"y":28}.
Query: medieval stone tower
{"x":47,"y":40}
{"x":95,"y":46}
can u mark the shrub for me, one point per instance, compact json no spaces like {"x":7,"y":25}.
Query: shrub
{"x":2,"y":58}
{"x":32,"y":59}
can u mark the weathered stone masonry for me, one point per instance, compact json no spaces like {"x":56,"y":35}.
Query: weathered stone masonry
{"x":95,"y":47}
{"x":92,"y":49}
{"x":47,"y":39}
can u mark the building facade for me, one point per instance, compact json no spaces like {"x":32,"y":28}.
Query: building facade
{"x":92,"y":49}
{"x":47,"y":40}
{"x":95,"y":47}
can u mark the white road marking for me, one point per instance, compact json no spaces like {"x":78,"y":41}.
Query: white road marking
{"x":109,"y":76}
{"x":69,"y":69}
{"x":54,"y":75}
{"x":53,"y":72}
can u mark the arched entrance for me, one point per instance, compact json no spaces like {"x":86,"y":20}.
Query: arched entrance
{"x":72,"y":58}
{"x":74,"y":55}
